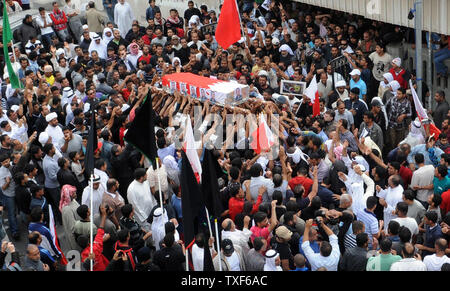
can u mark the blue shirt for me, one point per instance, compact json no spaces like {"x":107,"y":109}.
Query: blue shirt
{"x":176,"y":204}
{"x":314,"y":246}
{"x":361,"y":85}
{"x":304,"y":269}
{"x":164,"y":152}
{"x":370,"y":221}
{"x":422,"y":149}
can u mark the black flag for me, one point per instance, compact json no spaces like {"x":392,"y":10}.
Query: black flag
{"x":141,"y":133}
{"x":210,"y":185}
{"x":191,"y":201}
{"x":91,"y":145}
{"x":207,"y":259}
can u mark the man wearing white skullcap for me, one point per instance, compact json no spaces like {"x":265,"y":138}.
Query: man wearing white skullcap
{"x":54,"y":130}
{"x":341,"y":93}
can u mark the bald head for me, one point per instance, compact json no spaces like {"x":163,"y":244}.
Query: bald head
{"x":228,"y":225}
{"x":441,"y":245}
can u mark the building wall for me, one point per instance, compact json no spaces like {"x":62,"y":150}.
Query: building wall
{"x":393,"y":11}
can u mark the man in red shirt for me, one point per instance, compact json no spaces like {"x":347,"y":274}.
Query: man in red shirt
{"x":263,"y":228}
{"x":302,"y":179}
{"x":149,"y":35}
{"x":100,"y":261}
{"x":59,"y":20}
{"x":445,"y":204}
{"x":400,"y":75}
{"x":146,"y":56}
{"x":236,"y":203}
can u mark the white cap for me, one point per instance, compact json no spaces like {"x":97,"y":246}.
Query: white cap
{"x":341,"y":83}
{"x":43,"y":138}
{"x":15,"y":108}
{"x":51,"y":116}
{"x":59,"y":52}
{"x":355,"y":72}
{"x":397,"y":62}
{"x":263,"y":73}
{"x":5,"y":76}
{"x":85,"y":26}
{"x":275,"y":40}
{"x":125,"y":107}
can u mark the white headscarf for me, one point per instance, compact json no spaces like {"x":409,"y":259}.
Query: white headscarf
{"x":287,"y":48}
{"x":271,"y":256}
{"x":415,"y":135}
{"x":389,"y":78}
{"x":176,"y":59}
{"x":394,"y":87}
{"x":106,"y":38}
{"x":297,"y":155}
{"x":158,"y":226}
{"x":100,"y":48}
{"x":195,"y":20}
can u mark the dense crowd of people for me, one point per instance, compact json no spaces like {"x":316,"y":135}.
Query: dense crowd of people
{"x":361,"y":186}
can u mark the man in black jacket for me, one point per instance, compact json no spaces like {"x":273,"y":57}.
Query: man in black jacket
{"x":170,"y":258}
{"x":355,"y":259}
{"x":117,"y":41}
{"x":23,"y":196}
{"x":122,"y":169}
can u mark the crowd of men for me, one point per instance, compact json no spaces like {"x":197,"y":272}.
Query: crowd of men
{"x":361,"y":186}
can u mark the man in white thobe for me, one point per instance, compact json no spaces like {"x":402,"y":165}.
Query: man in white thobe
{"x":123,"y":17}
{"x":389,"y":198}
{"x":140,"y":196}
{"x":97,"y":196}
{"x":18,"y":128}
{"x":238,"y":237}
{"x":54,"y":130}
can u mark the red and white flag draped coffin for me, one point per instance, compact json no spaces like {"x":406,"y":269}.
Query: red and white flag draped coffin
{"x":216,"y":91}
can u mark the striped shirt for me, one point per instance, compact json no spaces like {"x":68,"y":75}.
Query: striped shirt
{"x":370,"y":222}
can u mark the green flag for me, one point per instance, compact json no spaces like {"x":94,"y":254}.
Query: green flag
{"x":7,"y":38}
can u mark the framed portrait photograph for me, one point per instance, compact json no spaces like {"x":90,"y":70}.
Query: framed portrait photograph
{"x":292,"y":87}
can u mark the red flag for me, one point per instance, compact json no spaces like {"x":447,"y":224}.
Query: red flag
{"x":263,"y":138}
{"x":316,"y":105}
{"x":313,"y":93}
{"x":228,"y":29}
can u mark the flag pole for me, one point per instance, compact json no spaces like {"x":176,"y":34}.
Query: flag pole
{"x":187,"y":260}
{"x":92,"y":219}
{"x":14,"y":53}
{"x":159,"y":185}
{"x":242,"y":26}
{"x":209,"y":222}
{"x":218,"y":245}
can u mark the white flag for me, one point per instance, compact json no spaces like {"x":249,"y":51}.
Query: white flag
{"x":421,"y":112}
{"x":191,"y":148}
{"x":312,"y":89}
